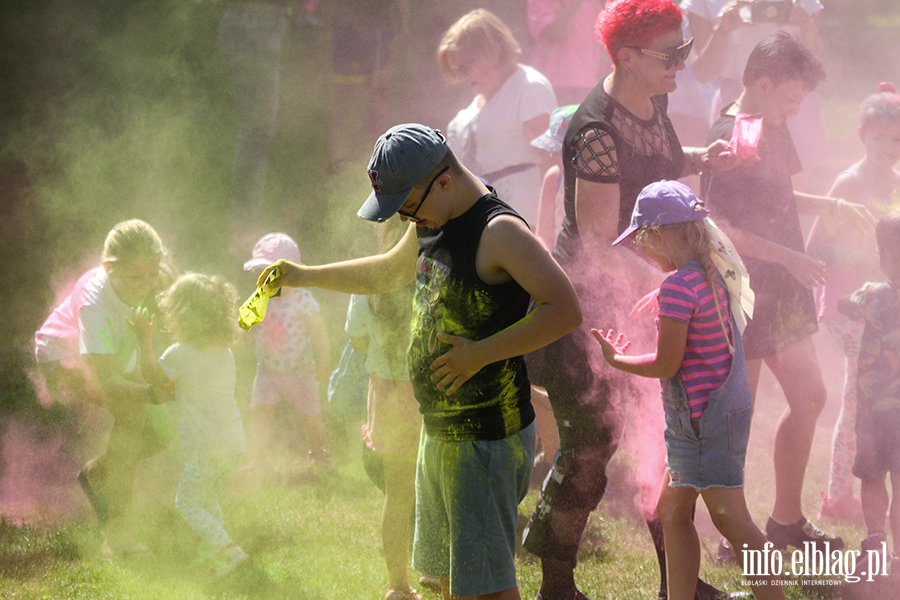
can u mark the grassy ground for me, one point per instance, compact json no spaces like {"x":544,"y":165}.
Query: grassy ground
{"x":313,"y":533}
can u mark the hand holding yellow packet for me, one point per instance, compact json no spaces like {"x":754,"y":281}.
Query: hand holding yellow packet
{"x":254,"y":309}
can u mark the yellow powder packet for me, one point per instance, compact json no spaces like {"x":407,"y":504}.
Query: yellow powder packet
{"x":254,"y":309}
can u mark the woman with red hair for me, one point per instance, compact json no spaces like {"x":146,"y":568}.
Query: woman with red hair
{"x":619,"y":140}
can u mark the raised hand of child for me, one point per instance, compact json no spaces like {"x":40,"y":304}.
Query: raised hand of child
{"x":142,"y":323}
{"x":610,"y":344}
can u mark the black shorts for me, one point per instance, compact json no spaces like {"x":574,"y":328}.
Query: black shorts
{"x":784,"y":311}
{"x":877,"y":443}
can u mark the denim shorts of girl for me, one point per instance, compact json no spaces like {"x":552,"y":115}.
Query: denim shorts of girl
{"x":709,"y":453}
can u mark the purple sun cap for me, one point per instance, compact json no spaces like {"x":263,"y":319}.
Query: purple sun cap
{"x":664,"y":203}
{"x":403,"y":156}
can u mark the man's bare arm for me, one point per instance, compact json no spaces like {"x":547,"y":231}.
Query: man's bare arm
{"x":376,"y":274}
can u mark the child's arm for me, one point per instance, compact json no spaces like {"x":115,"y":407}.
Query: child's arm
{"x":143,"y":324}
{"x":557,"y":312}
{"x":546,"y":225}
{"x":662,"y":364}
{"x":806,"y":270}
{"x":837,"y":208}
{"x":321,"y":346}
{"x":377,"y":274}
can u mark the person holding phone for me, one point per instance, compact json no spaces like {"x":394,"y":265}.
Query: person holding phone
{"x":726,"y":31}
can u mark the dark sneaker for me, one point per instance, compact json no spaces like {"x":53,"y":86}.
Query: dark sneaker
{"x":795,"y":534}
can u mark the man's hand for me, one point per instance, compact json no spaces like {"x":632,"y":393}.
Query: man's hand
{"x":456,"y":366}
{"x":287,"y":275}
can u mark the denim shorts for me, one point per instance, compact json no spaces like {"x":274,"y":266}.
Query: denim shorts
{"x":710,"y":452}
{"x":467,"y":498}
{"x":712,"y":455}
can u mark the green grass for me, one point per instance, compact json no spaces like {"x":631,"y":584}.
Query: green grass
{"x":314,"y":533}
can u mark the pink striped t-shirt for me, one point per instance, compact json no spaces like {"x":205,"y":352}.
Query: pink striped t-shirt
{"x":686,"y":297}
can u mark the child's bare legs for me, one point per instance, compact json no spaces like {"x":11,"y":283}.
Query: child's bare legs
{"x":315,"y":436}
{"x":399,"y":501}
{"x":728,"y":510}
{"x":510,"y":594}
{"x":875,"y":501}
{"x":796,"y":368}
{"x":675,"y":509}
{"x":261,"y":417}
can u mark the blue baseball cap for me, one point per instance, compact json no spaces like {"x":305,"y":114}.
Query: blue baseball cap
{"x":664,"y":203}
{"x":403,"y":156}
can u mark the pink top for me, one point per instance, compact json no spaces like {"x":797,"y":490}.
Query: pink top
{"x":687,"y":297}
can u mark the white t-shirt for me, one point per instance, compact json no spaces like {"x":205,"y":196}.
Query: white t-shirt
{"x":209,"y":423}
{"x":101,"y":322}
{"x":492,"y":138}
{"x":362,"y":323}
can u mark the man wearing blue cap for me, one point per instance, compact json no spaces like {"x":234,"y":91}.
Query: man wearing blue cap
{"x":475,"y":264}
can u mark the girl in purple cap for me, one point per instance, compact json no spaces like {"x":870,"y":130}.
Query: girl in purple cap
{"x":703,"y":378}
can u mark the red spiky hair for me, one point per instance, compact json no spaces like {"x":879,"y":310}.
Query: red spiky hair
{"x":635,"y":23}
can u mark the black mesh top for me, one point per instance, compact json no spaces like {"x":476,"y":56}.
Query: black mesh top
{"x":605,"y":143}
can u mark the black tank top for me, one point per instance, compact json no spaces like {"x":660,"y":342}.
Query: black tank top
{"x":450,"y":297}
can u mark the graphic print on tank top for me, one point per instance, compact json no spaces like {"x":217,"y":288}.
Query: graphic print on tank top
{"x":431,"y":276}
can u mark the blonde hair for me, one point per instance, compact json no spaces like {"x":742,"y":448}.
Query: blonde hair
{"x":130,"y":239}
{"x":478,"y":32}
{"x":200,"y":310}
{"x":695,"y":236}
